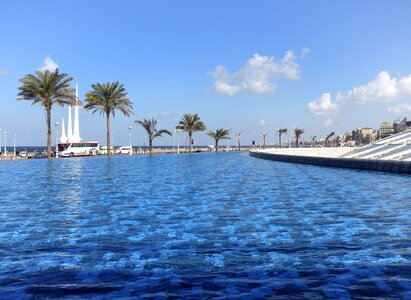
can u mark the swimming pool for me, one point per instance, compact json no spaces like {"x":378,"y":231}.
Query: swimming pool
{"x":201,"y":226}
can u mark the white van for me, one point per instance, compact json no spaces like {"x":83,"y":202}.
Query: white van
{"x":124,"y":150}
{"x":103,"y":150}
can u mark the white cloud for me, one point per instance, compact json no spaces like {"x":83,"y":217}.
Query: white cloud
{"x":259,"y":75}
{"x":3,"y":72}
{"x":323,"y":106}
{"x":48,"y":64}
{"x":400,"y":109}
{"x":382,"y":89}
{"x":305,"y":51}
{"x":263,"y":122}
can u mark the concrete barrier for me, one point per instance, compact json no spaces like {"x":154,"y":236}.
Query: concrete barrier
{"x":348,"y":163}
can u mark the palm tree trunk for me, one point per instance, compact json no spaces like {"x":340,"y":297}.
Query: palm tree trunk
{"x":279,"y":137}
{"x":216,"y":145}
{"x":296,"y":141}
{"x":190,"y":135}
{"x":108,"y":134}
{"x":150,"y":145}
{"x":48,"y":109}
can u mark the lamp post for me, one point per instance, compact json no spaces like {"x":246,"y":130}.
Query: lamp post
{"x":14,"y":146}
{"x":129,"y":132}
{"x":5,"y":142}
{"x":178,"y":141}
{"x":174,"y":140}
{"x":57,"y":139}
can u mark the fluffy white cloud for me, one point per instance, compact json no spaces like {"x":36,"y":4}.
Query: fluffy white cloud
{"x":259,"y":75}
{"x":48,"y":64}
{"x":382,"y":89}
{"x":323,"y":106}
{"x":400,"y":109}
{"x":3,"y":72}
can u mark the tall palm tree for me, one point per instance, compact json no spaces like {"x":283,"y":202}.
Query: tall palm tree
{"x":327,"y":138}
{"x":190,"y":123}
{"x":297,"y":133}
{"x":150,"y":127}
{"x":219,"y":134}
{"x":280,"y":132}
{"x":47,"y":88}
{"x":106,"y":99}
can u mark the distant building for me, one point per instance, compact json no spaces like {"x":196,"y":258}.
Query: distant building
{"x":386,"y":129}
{"x":362,"y":136}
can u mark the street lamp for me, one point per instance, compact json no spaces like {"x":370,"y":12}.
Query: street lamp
{"x":178,"y":140}
{"x":14,"y":148}
{"x":57,"y":139}
{"x":5,"y":142}
{"x":129,"y":131}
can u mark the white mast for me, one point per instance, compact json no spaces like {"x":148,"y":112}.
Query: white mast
{"x":63,"y":138}
{"x":69,"y":127}
{"x":76,"y":131}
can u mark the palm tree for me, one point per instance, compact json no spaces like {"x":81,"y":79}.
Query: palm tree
{"x":47,"y":88}
{"x":280,"y":132}
{"x":313,"y":140}
{"x":297,"y":133}
{"x":190,"y":123}
{"x":219,"y":134}
{"x":106,"y":99}
{"x":327,"y":138}
{"x":150,"y":127}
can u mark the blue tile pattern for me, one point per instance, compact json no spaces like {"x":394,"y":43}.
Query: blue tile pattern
{"x":201,"y":226}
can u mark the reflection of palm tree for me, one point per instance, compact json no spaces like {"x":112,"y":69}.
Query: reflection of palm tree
{"x":107,"y":98}
{"x":327,"y":138}
{"x":150,"y":127}
{"x":297,"y":133}
{"x":190,"y":123}
{"x":219,"y":134}
{"x":280,"y":132}
{"x":47,"y":88}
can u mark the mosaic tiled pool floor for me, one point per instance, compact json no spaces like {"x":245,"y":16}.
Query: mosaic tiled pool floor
{"x":201,"y":226}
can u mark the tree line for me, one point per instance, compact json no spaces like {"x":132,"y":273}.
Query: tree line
{"x":51,"y":88}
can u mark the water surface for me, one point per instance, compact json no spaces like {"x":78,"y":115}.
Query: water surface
{"x":201,"y":226}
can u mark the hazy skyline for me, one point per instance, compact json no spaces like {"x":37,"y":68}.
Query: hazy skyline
{"x":249,"y":66}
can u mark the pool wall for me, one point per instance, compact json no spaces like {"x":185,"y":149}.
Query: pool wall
{"x":349,"y":163}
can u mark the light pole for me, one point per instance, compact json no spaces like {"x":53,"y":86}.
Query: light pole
{"x":14,"y":146}
{"x":5,"y":142}
{"x":174,"y":140}
{"x":129,"y":132}
{"x":178,"y":141}
{"x":57,"y":140}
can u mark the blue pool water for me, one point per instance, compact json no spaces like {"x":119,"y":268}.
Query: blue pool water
{"x":201,"y":226}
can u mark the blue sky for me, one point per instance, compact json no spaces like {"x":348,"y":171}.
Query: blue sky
{"x":250,"y":66}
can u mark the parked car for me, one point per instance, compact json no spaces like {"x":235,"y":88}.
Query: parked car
{"x":23,"y":153}
{"x":103,"y":150}
{"x":124,"y":150}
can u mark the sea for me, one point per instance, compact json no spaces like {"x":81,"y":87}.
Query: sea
{"x":201,"y":226}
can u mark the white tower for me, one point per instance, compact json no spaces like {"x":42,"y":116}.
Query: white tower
{"x":63,"y":138}
{"x":76,"y":131}
{"x":69,"y":127}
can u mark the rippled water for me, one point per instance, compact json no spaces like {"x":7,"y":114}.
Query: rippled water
{"x":201,"y":226}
